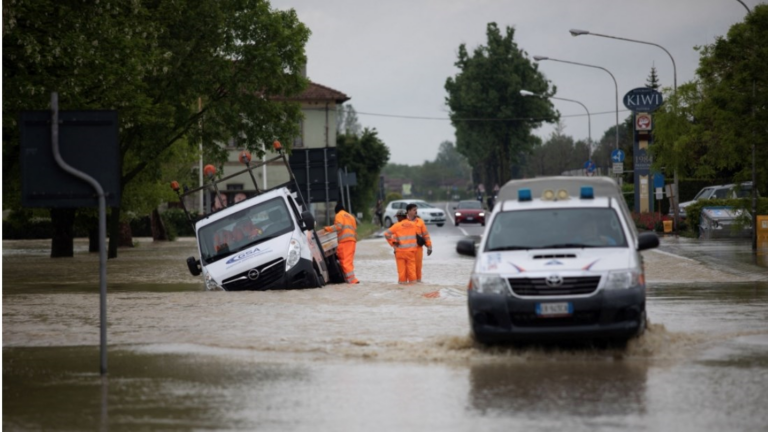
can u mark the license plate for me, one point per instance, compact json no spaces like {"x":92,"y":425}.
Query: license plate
{"x":470,"y":218}
{"x":553,"y":309}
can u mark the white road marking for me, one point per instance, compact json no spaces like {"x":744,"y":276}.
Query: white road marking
{"x":453,"y":222}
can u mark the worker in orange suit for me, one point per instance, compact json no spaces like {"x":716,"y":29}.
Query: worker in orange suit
{"x":345,"y":227}
{"x":402,"y":237}
{"x":421,"y":229}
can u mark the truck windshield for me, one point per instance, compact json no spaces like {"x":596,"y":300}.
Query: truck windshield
{"x":248,"y":227}
{"x":556,"y":228}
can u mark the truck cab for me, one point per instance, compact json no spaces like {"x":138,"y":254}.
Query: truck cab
{"x":267,"y":241}
{"x":559,"y":260}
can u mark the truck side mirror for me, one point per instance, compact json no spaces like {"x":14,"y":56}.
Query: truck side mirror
{"x":647,"y":240}
{"x":309,"y":220}
{"x":194,"y":266}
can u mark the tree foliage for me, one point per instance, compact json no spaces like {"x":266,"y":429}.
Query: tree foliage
{"x":449,"y":170}
{"x":708,"y":128}
{"x":558,"y":154}
{"x":365,"y":155}
{"x":493,"y":121}
{"x":346,"y":120}
{"x":179,"y":73}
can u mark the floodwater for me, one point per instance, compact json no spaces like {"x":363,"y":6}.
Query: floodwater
{"x":375,"y":356}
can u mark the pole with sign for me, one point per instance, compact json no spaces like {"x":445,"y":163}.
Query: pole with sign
{"x":642,"y":102}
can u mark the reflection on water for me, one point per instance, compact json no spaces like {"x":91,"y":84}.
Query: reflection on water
{"x":165,"y":391}
{"x":574,"y":388}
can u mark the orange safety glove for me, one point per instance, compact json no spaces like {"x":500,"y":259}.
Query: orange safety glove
{"x":328,"y":229}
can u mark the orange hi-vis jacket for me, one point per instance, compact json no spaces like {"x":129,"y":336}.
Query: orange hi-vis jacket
{"x":345,"y":227}
{"x":421,"y":229}
{"x":402,"y":236}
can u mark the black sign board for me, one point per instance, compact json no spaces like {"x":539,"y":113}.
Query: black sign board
{"x":316,"y":173}
{"x":643,"y":99}
{"x":88,"y":142}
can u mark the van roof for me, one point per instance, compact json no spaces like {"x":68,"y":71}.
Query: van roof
{"x":602,"y":186}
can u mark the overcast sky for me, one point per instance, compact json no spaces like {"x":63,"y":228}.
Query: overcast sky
{"x":393,"y":57}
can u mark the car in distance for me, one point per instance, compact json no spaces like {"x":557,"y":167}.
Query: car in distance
{"x":430,"y":214}
{"x":717,"y":192}
{"x":469,"y":212}
{"x":559,"y":260}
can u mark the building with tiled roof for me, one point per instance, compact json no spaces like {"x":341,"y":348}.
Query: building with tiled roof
{"x":321,"y":93}
{"x":317,"y":130}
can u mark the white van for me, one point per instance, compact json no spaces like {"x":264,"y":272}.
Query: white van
{"x":559,"y":259}
{"x":264,"y":242}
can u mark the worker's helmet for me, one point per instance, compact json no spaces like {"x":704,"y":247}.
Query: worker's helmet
{"x":401,"y":213}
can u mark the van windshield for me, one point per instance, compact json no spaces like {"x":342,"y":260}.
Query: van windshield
{"x":244,"y":229}
{"x":555,"y":229}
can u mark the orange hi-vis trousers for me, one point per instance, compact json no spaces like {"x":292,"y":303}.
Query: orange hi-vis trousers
{"x":346,"y":254}
{"x":419,"y":259}
{"x":406,"y":266}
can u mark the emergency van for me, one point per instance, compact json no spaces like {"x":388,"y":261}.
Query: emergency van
{"x":559,"y":260}
{"x":267,"y":241}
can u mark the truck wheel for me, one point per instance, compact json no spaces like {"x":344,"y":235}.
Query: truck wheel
{"x":334,"y":271}
{"x":319,"y":276}
{"x":387,"y":222}
{"x":457,"y":223}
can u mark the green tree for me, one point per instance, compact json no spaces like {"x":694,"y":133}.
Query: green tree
{"x":652,"y":81}
{"x":558,"y":154}
{"x":365,"y":155}
{"x":493,"y":121}
{"x":153,"y":62}
{"x":720,"y":115}
{"x":601,"y":153}
{"x":346,"y":120}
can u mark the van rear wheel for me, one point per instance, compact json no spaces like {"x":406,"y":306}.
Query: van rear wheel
{"x":334,"y":270}
{"x":319,"y":276}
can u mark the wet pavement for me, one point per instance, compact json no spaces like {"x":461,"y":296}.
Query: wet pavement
{"x":374,"y":356}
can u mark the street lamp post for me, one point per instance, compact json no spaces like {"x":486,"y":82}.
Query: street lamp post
{"x":575,"y":32}
{"x":589,"y":119}
{"x":616,"y":85}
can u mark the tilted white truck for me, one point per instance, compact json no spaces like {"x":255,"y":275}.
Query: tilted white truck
{"x":267,"y":241}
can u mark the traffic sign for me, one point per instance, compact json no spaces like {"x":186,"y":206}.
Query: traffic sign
{"x":618,"y":168}
{"x":658,"y":180}
{"x":617,"y":156}
{"x":643,"y":122}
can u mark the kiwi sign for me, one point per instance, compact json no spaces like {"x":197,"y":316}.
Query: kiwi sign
{"x":643,"y":99}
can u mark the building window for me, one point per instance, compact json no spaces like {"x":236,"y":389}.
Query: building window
{"x":298,"y":142}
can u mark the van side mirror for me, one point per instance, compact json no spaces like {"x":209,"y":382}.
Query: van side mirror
{"x":194,"y":266}
{"x":466,"y":247}
{"x":309,"y":220}
{"x":647,"y":240}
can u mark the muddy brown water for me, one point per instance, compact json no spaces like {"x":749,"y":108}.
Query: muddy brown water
{"x":370,"y":357}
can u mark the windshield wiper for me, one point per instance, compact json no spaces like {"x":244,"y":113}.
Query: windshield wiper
{"x":509,"y":248}
{"x":566,"y":245}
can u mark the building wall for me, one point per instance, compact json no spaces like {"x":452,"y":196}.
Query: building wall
{"x":318,"y":130}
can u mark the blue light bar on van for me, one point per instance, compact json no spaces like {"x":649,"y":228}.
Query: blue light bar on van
{"x":524,"y":195}
{"x":587,"y":192}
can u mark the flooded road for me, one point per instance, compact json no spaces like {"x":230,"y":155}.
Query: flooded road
{"x":374,"y":356}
